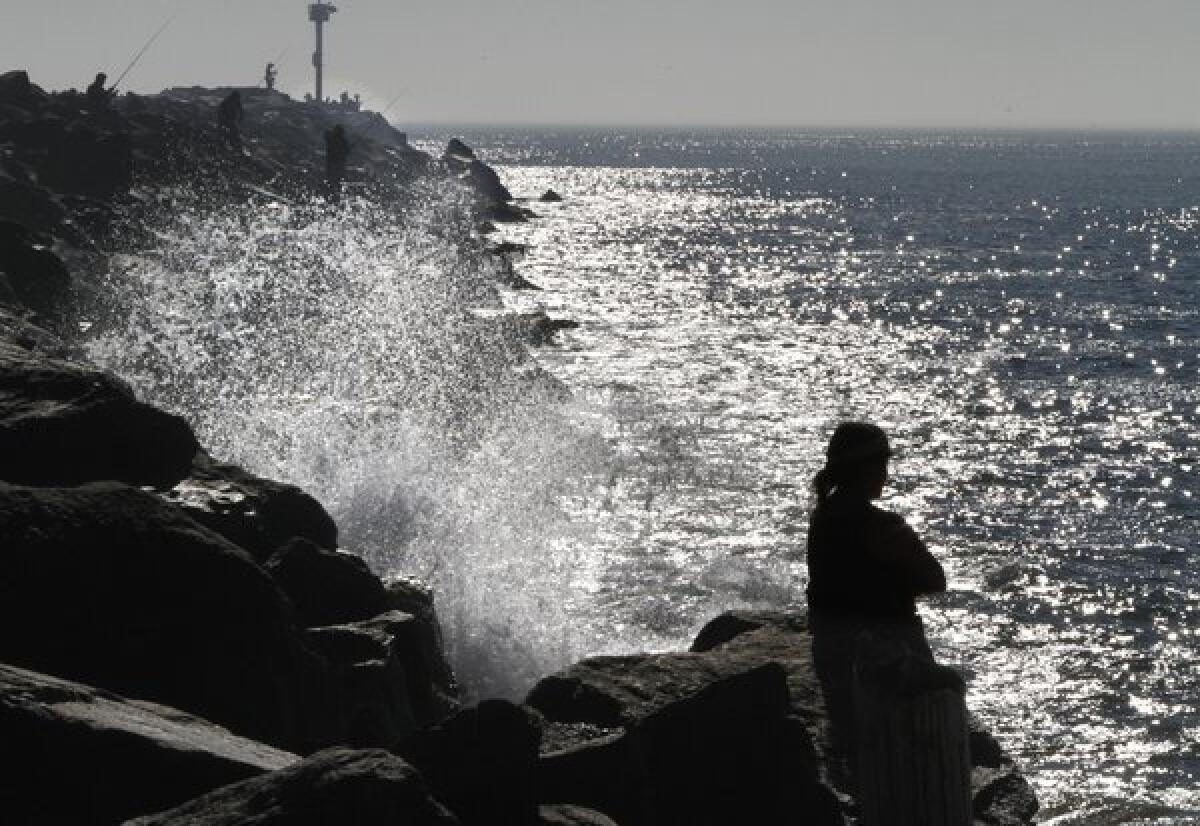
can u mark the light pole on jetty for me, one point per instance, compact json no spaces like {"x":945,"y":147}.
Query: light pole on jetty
{"x":319,"y":14}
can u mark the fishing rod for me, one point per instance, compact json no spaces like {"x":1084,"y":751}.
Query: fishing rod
{"x":279,"y":57}
{"x":138,"y":56}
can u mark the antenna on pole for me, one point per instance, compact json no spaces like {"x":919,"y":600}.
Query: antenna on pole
{"x":319,"y":13}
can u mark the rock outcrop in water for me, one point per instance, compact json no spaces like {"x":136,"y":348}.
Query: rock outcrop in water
{"x":177,"y":633}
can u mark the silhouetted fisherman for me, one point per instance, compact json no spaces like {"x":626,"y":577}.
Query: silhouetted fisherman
{"x":269,"y":75}
{"x":866,"y":567}
{"x":229,"y":119}
{"x":337,"y":152}
{"x":99,"y":96}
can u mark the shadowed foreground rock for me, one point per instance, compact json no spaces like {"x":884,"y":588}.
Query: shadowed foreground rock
{"x":481,"y":763}
{"x":77,"y":755}
{"x":65,"y":424}
{"x":338,"y":786}
{"x":110,"y":586}
{"x":1001,"y":796}
{"x":677,"y":739}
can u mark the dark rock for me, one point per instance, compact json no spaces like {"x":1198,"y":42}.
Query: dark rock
{"x":258,"y":514}
{"x":28,"y":203}
{"x":702,"y":740}
{"x":509,"y":248}
{"x":338,"y":786}
{"x":327,"y":587}
{"x":110,"y":586}
{"x":481,"y":763}
{"x":16,"y":90}
{"x":458,"y":150}
{"x":389,"y":687}
{"x":732,"y":624}
{"x":998,"y":789}
{"x":38,"y":278}
{"x":65,"y":424}
{"x":75,"y":754}
{"x":411,"y":596}
{"x":550,"y":197}
{"x":563,"y":814}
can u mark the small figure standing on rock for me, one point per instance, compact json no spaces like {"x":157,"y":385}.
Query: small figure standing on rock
{"x":229,"y":119}
{"x":337,"y":152}
{"x":269,"y":76}
{"x":98,"y":95}
{"x":866,"y":568}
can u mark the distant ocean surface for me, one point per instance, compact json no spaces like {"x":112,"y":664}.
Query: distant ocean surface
{"x":1020,"y":311}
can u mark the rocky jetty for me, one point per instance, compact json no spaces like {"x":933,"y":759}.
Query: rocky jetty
{"x":185,"y":642}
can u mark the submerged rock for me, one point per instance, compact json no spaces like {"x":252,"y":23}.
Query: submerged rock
{"x":550,"y":197}
{"x":78,"y":755}
{"x":338,"y":786}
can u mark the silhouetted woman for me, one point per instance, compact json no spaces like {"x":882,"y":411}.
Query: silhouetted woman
{"x":866,"y":567}
{"x":864,"y":563}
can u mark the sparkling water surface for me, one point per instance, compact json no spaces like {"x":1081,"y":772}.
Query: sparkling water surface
{"x":1019,"y":311}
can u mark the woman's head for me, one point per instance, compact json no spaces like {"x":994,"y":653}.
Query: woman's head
{"x":856,"y":460}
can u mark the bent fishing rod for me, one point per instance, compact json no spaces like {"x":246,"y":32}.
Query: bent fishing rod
{"x":145,"y":48}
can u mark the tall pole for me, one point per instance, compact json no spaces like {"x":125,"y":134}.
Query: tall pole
{"x":319,"y":13}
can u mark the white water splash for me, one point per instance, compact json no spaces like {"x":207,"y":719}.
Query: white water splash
{"x":335,"y":348}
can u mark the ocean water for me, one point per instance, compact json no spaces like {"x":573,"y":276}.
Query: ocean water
{"x":1020,"y":311}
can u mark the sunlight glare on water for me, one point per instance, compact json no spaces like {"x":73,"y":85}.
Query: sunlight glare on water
{"x":1020,"y":312}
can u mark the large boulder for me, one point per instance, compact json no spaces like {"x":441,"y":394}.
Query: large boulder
{"x":672,"y":739}
{"x":258,"y":514}
{"x":338,"y":786}
{"x":481,"y":763}
{"x":108,"y":585}
{"x":76,"y":755}
{"x":1000,"y":795}
{"x":65,"y":424}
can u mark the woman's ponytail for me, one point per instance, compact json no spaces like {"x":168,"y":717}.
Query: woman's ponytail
{"x":823,"y":484}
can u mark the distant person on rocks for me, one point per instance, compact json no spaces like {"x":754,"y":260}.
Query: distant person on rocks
{"x":337,"y":152}
{"x":269,"y":76}
{"x":866,"y":566}
{"x":99,"y":96}
{"x":229,"y":119}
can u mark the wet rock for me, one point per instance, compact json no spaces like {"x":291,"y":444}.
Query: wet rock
{"x":458,"y":151}
{"x":23,"y":201}
{"x":411,"y":596}
{"x":389,"y":682}
{"x":78,"y":755}
{"x":481,"y":763}
{"x":563,"y":814}
{"x":697,"y":739}
{"x":258,"y":514}
{"x":109,"y":586}
{"x":337,"y":786}
{"x":65,"y":424}
{"x":550,"y":197}
{"x":36,"y":276}
{"x":327,"y":587}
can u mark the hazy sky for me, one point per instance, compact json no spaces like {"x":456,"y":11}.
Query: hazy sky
{"x":1107,"y":63}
